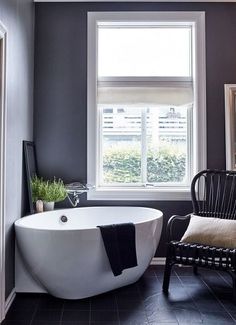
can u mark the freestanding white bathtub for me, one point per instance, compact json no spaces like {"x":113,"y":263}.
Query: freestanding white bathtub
{"x":69,"y":259}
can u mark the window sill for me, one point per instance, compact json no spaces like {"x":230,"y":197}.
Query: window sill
{"x":124,"y":194}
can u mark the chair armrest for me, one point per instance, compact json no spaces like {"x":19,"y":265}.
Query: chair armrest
{"x":171,"y":223}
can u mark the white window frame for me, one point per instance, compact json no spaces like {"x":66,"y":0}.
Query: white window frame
{"x":197,"y":21}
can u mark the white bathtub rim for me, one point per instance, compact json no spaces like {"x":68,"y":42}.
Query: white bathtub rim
{"x":20,"y":222}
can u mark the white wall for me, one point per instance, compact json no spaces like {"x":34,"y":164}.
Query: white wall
{"x":18,"y":18}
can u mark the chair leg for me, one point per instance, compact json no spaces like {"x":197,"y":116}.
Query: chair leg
{"x":166,"y":280}
{"x":195,"y":270}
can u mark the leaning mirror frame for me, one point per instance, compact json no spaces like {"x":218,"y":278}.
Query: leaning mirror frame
{"x":230,"y":126}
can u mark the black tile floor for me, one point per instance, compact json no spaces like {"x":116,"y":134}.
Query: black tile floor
{"x":205,"y":299}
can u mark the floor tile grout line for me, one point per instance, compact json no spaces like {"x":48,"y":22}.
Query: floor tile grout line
{"x":224,"y":278}
{"x":227,"y":282}
{"x":90,"y":311}
{"x":142,"y":296}
{"x":34,"y":313}
{"x":191,"y":297}
{"x":209,"y":288}
{"x":183,"y":285}
{"x":206,"y":285}
{"x":62,"y":312}
{"x":176,"y":274}
{"x":117,"y":309}
{"x":218,"y":300}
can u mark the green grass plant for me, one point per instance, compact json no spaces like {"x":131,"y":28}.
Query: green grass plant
{"x":48,"y":191}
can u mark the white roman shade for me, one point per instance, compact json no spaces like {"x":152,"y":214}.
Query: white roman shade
{"x":151,"y":96}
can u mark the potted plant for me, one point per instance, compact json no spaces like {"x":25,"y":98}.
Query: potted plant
{"x":48,"y":191}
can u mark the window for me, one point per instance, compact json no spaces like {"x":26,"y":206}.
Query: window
{"x":146,"y":104}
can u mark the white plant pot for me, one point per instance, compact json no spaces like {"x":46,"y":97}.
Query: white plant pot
{"x":39,"y":206}
{"x":48,"y":206}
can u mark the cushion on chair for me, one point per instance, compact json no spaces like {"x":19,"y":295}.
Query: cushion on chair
{"x":211,"y":231}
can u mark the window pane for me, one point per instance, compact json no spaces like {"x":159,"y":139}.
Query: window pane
{"x":144,"y":145}
{"x":167,"y":145}
{"x":144,"y":51}
{"x":121,"y":134}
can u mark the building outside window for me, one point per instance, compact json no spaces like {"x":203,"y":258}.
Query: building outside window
{"x":146,"y":104}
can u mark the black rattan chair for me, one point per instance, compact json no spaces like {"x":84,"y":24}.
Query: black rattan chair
{"x":213,"y":195}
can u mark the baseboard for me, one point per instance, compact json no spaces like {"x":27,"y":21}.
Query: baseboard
{"x":9,"y":300}
{"x":158,"y":261}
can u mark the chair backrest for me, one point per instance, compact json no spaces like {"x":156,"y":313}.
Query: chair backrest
{"x":214,"y":194}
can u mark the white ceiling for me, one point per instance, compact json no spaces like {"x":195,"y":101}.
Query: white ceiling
{"x":134,"y":1}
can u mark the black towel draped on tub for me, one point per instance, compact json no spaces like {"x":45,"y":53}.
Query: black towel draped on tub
{"x":119,"y":242}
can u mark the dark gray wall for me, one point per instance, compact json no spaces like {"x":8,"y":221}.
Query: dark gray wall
{"x":18,"y":18}
{"x":60,"y":87}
